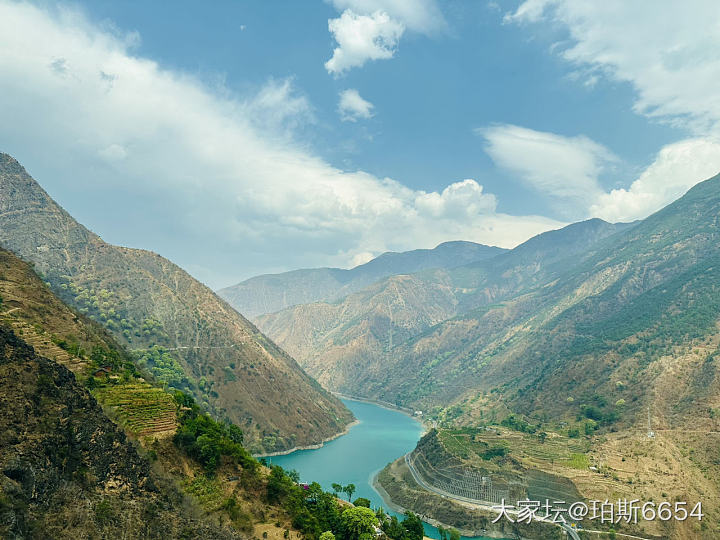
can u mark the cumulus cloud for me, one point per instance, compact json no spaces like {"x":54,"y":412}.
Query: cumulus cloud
{"x":464,"y":198}
{"x":371,"y":29}
{"x":361,"y":38}
{"x":423,"y":16}
{"x":563,"y":168}
{"x":676,"y":168}
{"x":155,"y":158}
{"x":353,"y":107}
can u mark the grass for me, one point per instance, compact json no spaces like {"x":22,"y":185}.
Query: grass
{"x":578,"y":461}
{"x":207,"y":491}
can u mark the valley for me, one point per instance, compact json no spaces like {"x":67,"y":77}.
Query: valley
{"x":549,"y":359}
{"x":184,"y":333}
{"x":359,"y":270}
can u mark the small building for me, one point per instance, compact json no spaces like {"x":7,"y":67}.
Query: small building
{"x":103,"y":372}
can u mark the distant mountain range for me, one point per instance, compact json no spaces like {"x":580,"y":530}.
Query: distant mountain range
{"x":591,"y":353}
{"x":274,"y":292}
{"x":350,"y":345}
{"x":190,"y":337}
{"x":592,"y":308}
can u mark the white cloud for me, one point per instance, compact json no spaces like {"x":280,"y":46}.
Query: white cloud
{"x":423,"y":16}
{"x":676,"y":168}
{"x":567,"y":169}
{"x":155,"y":158}
{"x":464,"y":198}
{"x":371,"y":29}
{"x":352,"y":106}
{"x":669,"y":51}
{"x":361,"y":38}
{"x":277,"y":107}
{"x":362,"y":258}
{"x":564,"y":168}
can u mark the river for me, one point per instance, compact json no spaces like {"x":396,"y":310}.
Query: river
{"x":380,"y":437}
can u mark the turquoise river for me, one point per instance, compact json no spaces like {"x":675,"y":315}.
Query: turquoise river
{"x":380,"y":437}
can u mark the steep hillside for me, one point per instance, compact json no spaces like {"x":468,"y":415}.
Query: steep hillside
{"x":603,"y":327}
{"x":163,"y":469}
{"x":350,"y":345}
{"x":67,"y":471}
{"x":274,"y":292}
{"x":564,"y":377}
{"x":42,"y":320}
{"x":188,"y":336}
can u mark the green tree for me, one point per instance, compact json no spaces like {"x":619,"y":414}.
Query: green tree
{"x":293,"y":475}
{"x":327,"y":535}
{"x":349,"y":490}
{"x":337,"y":488}
{"x":454,"y":534}
{"x":235,"y":434}
{"x":359,"y":523}
{"x":327,"y":511}
{"x":278,"y":486}
{"x":393,"y":529}
{"x":362,"y":501}
{"x":414,"y":527}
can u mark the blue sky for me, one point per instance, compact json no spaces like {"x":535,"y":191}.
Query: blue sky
{"x":242,"y":137}
{"x":428,"y":99}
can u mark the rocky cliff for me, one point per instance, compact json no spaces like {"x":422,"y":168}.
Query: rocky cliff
{"x":66,"y":471}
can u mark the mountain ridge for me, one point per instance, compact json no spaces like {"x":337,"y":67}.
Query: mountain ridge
{"x":332,"y":339}
{"x":270,"y":293}
{"x":69,"y":467}
{"x":147,"y":301}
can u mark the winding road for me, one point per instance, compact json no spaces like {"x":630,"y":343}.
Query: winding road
{"x":570,"y":531}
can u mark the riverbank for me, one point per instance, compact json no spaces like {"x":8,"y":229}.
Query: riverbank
{"x":310,"y":446}
{"x":387,"y":500}
{"x":398,"y":489}
{"x":389,"y":406}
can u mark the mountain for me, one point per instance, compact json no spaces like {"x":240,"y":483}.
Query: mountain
{"x":180,"y":329}
{"x":274,"y":292}
{"x":606,"y":373}
{"x":351,"y":345}
{"x":68,"y":471}
{"x":607,"y":316}
{"x":161,"y":468}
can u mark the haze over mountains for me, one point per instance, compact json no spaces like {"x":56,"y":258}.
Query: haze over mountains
{"x":189,"y":335}
{"x":274,"y":292}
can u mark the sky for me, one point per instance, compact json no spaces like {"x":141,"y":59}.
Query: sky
{"x":242,"y":137}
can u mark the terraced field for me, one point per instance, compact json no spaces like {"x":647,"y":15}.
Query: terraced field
{"x":43,"y":345}
{"x":142,"y":409}
{"x":555,"y":450}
